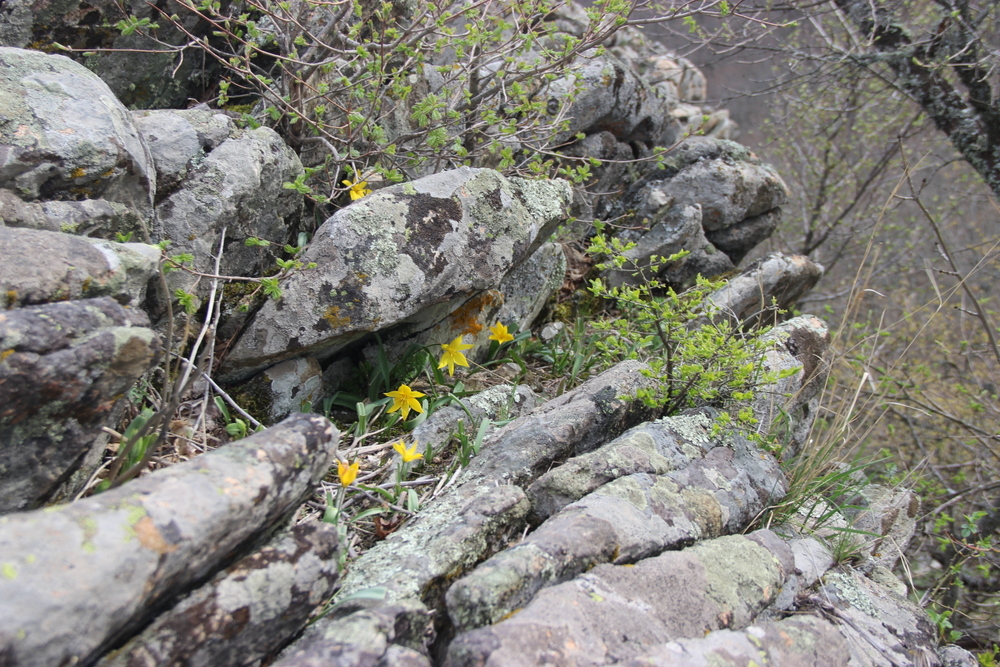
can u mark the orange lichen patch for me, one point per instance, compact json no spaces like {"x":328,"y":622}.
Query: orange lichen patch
{"x":335,"y":319}
{"x":465,"y":320}
{"x":150,"y":537}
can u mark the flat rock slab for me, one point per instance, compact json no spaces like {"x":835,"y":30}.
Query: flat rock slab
{"x":785,"y":278}
{"x":63,"y":367}
{"x":617,"y":612}
{"x":152,"y":539}
{"x":247,"y":611}
{"x":413,"y":247}
{"x":43,"y":266}
{"x":624,"y":521}
{"x":799,"y":641}
{"x":392,"y":635}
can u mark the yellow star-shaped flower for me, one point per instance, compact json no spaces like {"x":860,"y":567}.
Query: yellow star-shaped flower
{"x":407,"y":453}
{"x":453,"y":355}
{"x":498,"y":332}
{"x":358,"y":189}
{"x":347,"y":473}
{"x":405,"y":399}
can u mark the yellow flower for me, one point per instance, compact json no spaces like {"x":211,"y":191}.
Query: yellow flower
{"x":407,"y":453}
{"x":453,"y":355}
{"x":498,"y":332}
{"x":358,"y":189}
{"x":405,"y":399}
{"x":347,"y":474}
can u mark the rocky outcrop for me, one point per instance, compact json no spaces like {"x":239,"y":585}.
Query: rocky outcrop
{"x":713,"y":199}
{"x":152,"y":539}
{"x":63,"y":368}
{"x":238,"y":190}
{"x":69,"y":138}
{"x":408,"y":254}
{"x":75,"y":267}
{"x":247,"y":611}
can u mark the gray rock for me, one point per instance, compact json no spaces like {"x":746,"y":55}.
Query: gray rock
{"x":386,"y":636}
{"x":882,"y":629}
{"x":295,"y":385}
{"x":154,"y":538}
{"x":623,"y":521}
{"x":57,"y":267}
{"x":88,"y":216}
{"x":498,"y":403}
{"x":708,"y":190}
{"x":655,"y":448}
{"x":781,"y":278}
{"x":616,"y":612}
{"x":607,"y":96}
{"x":238,"y":187}
{"x":799,"y":641}
{"x":515,"y":303}
{"x":63,"y":367}
{"x":179,"y":140}
{"x":69,"y":137}
{"x":892,"y":515}
{"x":247,"y":611}
{"x":786,"y":410}
{"x":409,"y":253}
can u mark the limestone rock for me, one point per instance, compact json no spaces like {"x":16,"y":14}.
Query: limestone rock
{"x":247,"y":611}
{"x":238,"y":187}
{"x":178,"y":141}
{"x":409,"y":253}
{"x":63,"y":367}
{"x":154,"y":538}
{"x":68,"y":137}
{"x":785,"y":279}
{"x":616,"y":612}
{"x":50,"y":266}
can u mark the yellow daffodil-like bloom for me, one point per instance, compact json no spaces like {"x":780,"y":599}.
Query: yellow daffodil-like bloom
{"x":347,"y":474}
{"x":498,"y":332}
{"x":405,"y":399}
{"x":407,"y":453}
{"x":358,"y":189}
{"x":453,"y":355}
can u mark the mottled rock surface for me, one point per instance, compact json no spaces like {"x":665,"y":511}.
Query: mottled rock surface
{"x":247,"y":611}
{"x":409,"y":253}
{"x":49,"y":266}
{"x":154,"y":538}
{"x":63,"y":367}
{"x":713,"y":198}
{"x":617,"y":612}
{"x":68,"y":137}
{"x":237,"y":187}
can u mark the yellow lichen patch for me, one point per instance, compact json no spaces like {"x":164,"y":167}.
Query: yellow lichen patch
{"x":150,"y":537}
{"x":79,"y":172}
{"x":6,"y":353}
{"x":11,"y":298}
{"x":335,"y":319}
{"x":9,"y":571}
{"x":465,"y":320}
